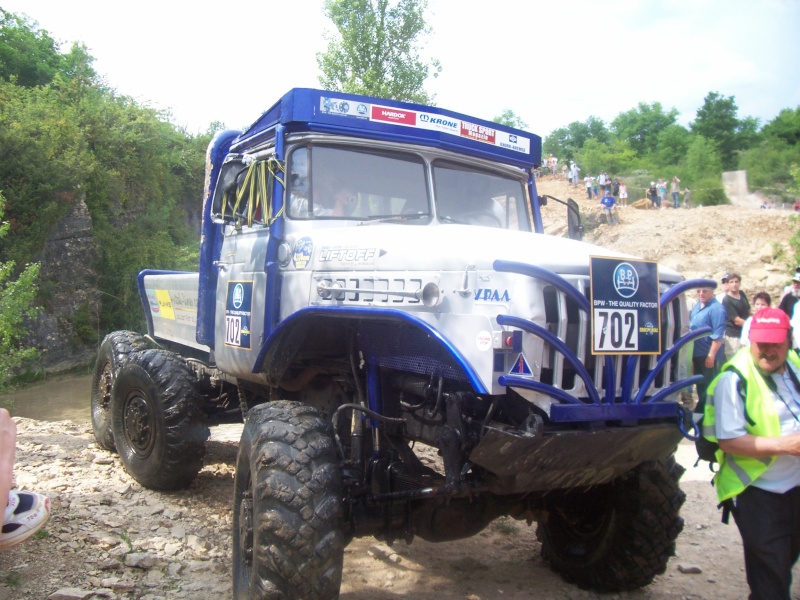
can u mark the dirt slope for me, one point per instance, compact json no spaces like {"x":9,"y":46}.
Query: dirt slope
{"x":697,"y":242}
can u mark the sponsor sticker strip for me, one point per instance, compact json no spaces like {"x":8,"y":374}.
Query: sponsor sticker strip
{"x":429,"y":121}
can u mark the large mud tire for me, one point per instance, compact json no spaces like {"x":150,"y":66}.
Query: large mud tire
{"x":619,"y":536}
{"x":159,"y":428}
{"x":113,"y":352}
{"x":288,"y":530}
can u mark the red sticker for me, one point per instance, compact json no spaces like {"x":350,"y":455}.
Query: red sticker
{"x":394,"y":115}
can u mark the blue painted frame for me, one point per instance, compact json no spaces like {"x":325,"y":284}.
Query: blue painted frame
{"x":210,"y":239}
{"x":626,"y":407}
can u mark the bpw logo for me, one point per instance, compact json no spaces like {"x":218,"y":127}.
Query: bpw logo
{"x":490,"y":295}
{"x":626,"y":280}
{"x":238,"y":296}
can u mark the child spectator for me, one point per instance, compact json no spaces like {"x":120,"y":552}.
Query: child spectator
{"x":588,"y":183}
{"x":652,"y":193}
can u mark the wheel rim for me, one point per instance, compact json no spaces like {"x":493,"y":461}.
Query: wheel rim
{"x":584,"y":526}
{"x":139,"y":423}
{"x":104,"y":387}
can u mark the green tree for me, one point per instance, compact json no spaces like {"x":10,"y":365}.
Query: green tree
{"x":616,"y":157}
{"x":566,"y":142}
{"x":16,"y":305}
{"x":786,"y":126}
{"x":509,"y":118}
{"x":794,"y":187}
{"x":703,"y":167}
{"x":27,"y":54}
{"x":768,"y":164}
{"x":717,"y":121}
{"x":671,"y":146}
{"x":768,"y":161}
{"x":702,"y":160}
{"x":377,"y":49}
{"x":642,"y":125}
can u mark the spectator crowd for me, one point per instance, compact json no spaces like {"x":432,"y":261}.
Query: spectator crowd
{"x":612,"y":192}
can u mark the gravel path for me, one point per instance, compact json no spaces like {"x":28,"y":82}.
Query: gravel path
{"x":111,"y":538}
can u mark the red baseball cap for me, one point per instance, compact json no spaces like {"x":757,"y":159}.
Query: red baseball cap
{"x":769,"y":326}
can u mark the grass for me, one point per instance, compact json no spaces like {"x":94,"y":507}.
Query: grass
{"x":124,"y":537}
{"x":778,"y":253}
{"x":11,"y":578}
{"x":505,"y":527}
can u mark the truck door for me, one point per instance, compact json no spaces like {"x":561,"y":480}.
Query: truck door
{"x":241,"y":278}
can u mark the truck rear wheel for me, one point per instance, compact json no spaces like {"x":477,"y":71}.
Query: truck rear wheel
{"x":159,"y":428}
{"x":288,"y":529}
{"x":114,"y":351}
{"x":619,"y":536}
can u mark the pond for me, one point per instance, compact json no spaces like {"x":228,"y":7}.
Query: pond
{"x":57,"y":398}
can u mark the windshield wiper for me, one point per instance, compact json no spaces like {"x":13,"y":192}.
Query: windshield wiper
{"x":393,"y":218}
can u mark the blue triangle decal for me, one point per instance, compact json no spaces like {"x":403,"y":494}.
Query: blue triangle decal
{"x":520,"y":367}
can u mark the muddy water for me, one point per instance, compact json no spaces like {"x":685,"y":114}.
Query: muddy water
{"x":61,"y":398}
{"x":68,"y":398}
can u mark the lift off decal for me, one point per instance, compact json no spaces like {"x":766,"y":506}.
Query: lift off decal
{"x":301,"y":253}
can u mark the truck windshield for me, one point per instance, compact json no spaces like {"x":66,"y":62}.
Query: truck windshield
{"x":334,"y":182}
{"x":474,"y":197}
{"x":343,"y":182}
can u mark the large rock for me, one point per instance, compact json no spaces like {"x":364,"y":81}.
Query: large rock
{"x":68,"y":283}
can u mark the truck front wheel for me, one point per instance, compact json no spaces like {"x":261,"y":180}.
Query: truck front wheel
{"x":288,"y":530}
{"x":114,"y":351}
{"x":619,"y":536}
{"x":159,"y":428}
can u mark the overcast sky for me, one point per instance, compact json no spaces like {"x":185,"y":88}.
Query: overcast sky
{"x":550,"y":62}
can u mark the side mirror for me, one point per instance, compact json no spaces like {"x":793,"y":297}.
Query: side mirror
{"x":574,"y":224}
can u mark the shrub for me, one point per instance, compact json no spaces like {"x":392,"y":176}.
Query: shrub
{"x":709,"y":192}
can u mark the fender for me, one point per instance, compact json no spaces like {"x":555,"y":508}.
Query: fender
{"x":272,"y":358}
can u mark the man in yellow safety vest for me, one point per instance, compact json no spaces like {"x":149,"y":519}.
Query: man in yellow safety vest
{"x":753,"y":413}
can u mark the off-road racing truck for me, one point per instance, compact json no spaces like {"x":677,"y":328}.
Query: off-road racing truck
{"x":411,"y":354}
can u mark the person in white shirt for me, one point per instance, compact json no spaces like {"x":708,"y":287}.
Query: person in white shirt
{"x":724,"y":291}
{"x":760,"y":300}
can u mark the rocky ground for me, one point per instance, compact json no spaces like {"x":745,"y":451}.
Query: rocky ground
{"x":110,"y":538}
{"x":696,"y":242}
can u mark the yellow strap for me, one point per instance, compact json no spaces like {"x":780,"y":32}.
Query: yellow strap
{"x":258,"y":184}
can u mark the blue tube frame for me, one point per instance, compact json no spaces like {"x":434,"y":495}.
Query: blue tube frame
{"x":626,"y":407}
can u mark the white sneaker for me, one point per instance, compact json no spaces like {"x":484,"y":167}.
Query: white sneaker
{"x":26,"y":513}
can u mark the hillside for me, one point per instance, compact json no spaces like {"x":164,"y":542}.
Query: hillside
{"x":697,"y":242}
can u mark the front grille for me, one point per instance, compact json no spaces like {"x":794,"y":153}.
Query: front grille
{"x":372,"y":290}
{"x":569,"y":323}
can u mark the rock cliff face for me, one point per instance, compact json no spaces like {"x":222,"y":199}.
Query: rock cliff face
{"x":68,"y":288}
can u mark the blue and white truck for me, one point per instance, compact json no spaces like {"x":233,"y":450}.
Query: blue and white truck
{"x":411,"y":354}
